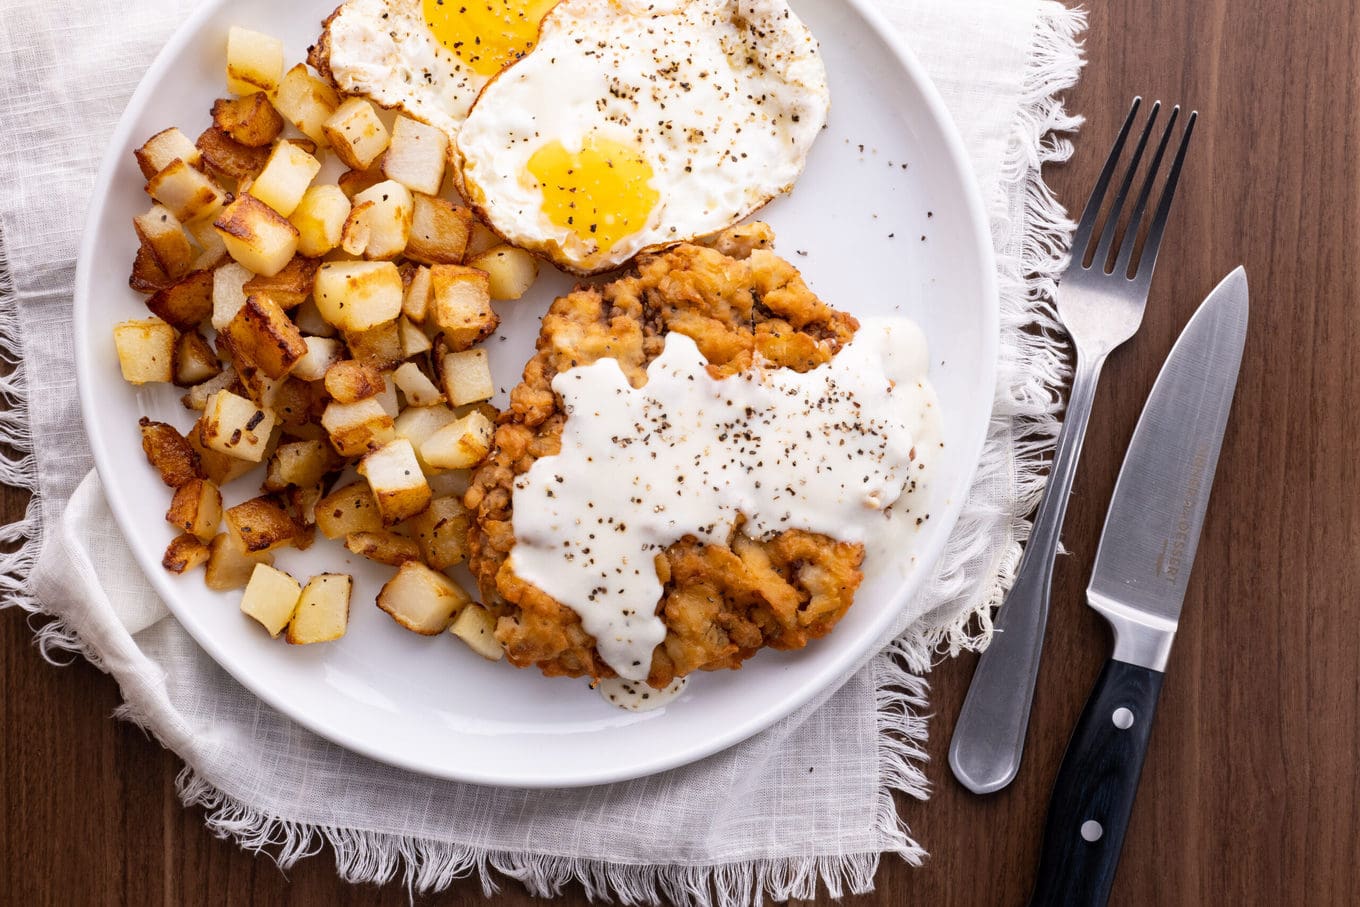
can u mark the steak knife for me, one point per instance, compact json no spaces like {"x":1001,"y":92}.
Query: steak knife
{"x":1138,"y":584}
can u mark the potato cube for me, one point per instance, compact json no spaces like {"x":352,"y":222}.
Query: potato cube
{"x":379,"y":223}
{"x":212,"y":252}
{"x":467,"y":377}
{"x":510,"y":271}
{"x":228,"y":293}
{"x":416,"y":385}
{"x":184,"y":553}
{"x":356,"y":133}
{"x":146,"y":350}
{"x":348,"y":510}
{"x":323,"y":610}
{"x":450,"y":482}
{"x":262,"y":335}
{"x":169,"y":453}
{"x":356,"y":428}
{"x":320,"y":219}
{"x":439,"y":231}
{"x":254,"y":61}
{"x":414,"y":341}
{"x":481,"y":239}
{"x":285,"y":178}
{"x":358,"y":295}
{"x":416,"y":302}
{"x":271,"y":597}
{"x":161,"y":233}
{"x":215,"y":466}
{"x":383,"y":546}
{"x":147,"y":275}
{"x":195,"y":361}
{"x":476,"y":626}
{"x":352,"y":182}
{"x":417,"y":423}
{"x":308,"y":318}
{"x":163,"y":148}
{"x":306,"y":102}
{"x":459,"y":445}
{"x":235,"y":426}
{"x":198,"y":395}
{"x":196,"y":508}
{"x":187,"y":303}
{"x":397,"y":482}
{"x":416,"y":156}
{"x":261,"y":524}
{"x":422,"y":600}
{"x":387,"y":397}
{"x":322,"y":353}
{"x":227,"y":160}
{"x":188,"y":193}
{"x":257,"y":236}
{"x":441,"y":531}
{"x":302,"y":463}
{"x":348,"y":381}
{"x":229,"y":565}
{"x":460,"y":305}
{"x":378,"y":346}
{"x":290,"y":286}
{"x":250,"y":120}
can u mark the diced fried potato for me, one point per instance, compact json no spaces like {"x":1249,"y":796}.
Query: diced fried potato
{"x":198,"y":395}
{"x":285,"y":178}
{"x":422,"y":600}
{"x":228,"y":293}
{"x":308,"y":319}
{"x":161,"y":233}
{"x":302,"y":502}
{"x":322,"y":353}
{"x":387,"y":397}
{"x":169,"y":453}
{"x":397,"y":482}
{"x":254,"y":61}
{"x":439,"y":231}
{"x":441,"y":531}
{"x":352,"y":182}
{"x":299,"y":404}
{"x":216,"y":467}
{"x":261,"y":524}
{"x":271,"y":597}
{"x":257,"y":236}
{"x":379,"y":223}
{"x":306,"y":102}
{"x":383,"y":546}
{"x":460,"y":445}
{"x":196,"y":508}
{"x":146,"y":350}
{"x":349,"y":381}
{"x":510,"y":271}
{"x":212,"y":250}
{"x":347,"y":510}
{"x":356,"y":428}
{"x":301,"y":463}
{"x":264,"y":336}
{"x":416,"y":385}
{"x":476,"y":626}
{"x":378,"y":346}
{"x":416,"y":423}
{"x":356,"y":133}
{"x":416,"y":156}
{"x":466,"y":377}
{"x":235,"y":426}
{"x":481,"y":239}
{"x":184,"y":553}
{"x":250,"y":120}
{"x":195,"y":361}
{"x":460,"y":305}
{"x":320,"y":219}
{"x":358,"y":295}
{"x":147,"y":275}
{"x":188,"y":193}
{"x":414,"y":341}
{"x":416,"y":302}
{"x":322,"y":611}
{"x":290,"y":286}
{"x":162,"y":148}
{"x":259,"y":388}
{"x":227,"y":160}
{"x":229,"y":565}
{"x":187,"y":303}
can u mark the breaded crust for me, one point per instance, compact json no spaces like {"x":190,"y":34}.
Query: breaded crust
{"x":720,"y":604}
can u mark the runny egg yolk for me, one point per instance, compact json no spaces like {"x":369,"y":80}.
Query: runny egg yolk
{"x":487,"y":35}
{"x":601,"y":193}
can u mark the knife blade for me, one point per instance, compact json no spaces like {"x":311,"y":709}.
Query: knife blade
{"x":1138,"y":583}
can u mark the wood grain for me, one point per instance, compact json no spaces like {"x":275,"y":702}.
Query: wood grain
{"x":1249,"y":793}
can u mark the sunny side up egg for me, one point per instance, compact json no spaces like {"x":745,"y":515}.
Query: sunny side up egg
{"x":428,"y":58}
{"x":633,"y":124}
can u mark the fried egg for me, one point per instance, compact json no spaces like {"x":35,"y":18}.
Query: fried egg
{"x":428,"y":58}
{"x":634,"y":124}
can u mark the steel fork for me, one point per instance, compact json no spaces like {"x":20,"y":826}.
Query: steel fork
{"x":1101,"y":305}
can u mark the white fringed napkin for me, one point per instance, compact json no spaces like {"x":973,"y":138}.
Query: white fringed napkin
{"x":748,"y":823}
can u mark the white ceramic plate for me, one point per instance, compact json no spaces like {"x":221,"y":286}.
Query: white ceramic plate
{"x":886,"y":219}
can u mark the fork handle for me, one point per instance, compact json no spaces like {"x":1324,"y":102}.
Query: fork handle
{"x":989,"y":737}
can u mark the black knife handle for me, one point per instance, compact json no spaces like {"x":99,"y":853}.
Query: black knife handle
{"x":1093,"y":796}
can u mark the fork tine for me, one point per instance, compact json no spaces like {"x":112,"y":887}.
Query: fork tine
{"x":1087,"y":225}
{"x":1148,"y":260}
{"x":1107,"y":235}
{"x":1140,"y":207}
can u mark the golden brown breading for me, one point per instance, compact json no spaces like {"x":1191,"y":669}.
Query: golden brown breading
{"x":720,"y":604}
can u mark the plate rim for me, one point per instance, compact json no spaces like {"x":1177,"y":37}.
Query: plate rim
{"x":105,"y":460}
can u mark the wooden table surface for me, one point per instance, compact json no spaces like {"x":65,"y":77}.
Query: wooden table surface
{"x":1249,"y":792}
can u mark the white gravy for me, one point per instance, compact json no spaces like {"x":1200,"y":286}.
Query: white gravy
{"x":828,"y":451}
